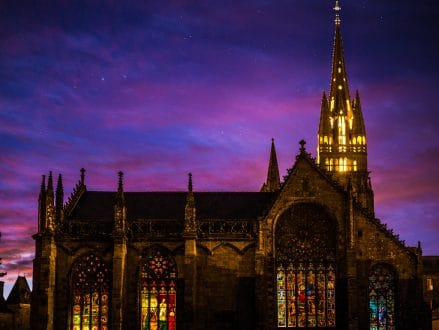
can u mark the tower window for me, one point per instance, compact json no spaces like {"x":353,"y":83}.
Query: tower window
{"x":429,"y":284}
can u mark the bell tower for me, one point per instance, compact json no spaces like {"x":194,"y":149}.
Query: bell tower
{"x":342,"y":146}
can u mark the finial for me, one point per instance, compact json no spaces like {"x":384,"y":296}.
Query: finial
{"x":190,"y":182}
{"x":120,"y":186}
{"x":59,"y":186}
{"x":82,"y":176}
{"x":50,"y":182}
{"x":337,"y":9}
{"x":43,"y":183}
{"x":302,"y":145}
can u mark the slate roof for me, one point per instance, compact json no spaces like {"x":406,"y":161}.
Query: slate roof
{"x":99,"y":205}
{"x":20,"y":293}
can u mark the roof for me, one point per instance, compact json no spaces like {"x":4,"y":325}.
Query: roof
{"x":431,"y":264}
{"x":20,"y":293}
{"x":99,"y":205}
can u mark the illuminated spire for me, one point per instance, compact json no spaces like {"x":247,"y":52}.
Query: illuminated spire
{"x":339,"y":90}
{"x":342,"y":147}
{"x":342,"y":137}
{"x":337,"y":9}
{"x":325,"y":124}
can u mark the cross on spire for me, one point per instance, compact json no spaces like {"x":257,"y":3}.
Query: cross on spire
{"x":337,"y":9}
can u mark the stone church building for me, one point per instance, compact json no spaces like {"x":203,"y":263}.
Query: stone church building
{"x":304,"y":252}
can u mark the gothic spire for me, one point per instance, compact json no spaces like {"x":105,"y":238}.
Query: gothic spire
{"x":339,"y":90}
{"x":59,"y":200}
{"x":189,"y":186}
{"x":42,"y":205}
{"x":82,"y":180}
{"x":49,"y":217}
{"x":342,"y":147}
{"x":190,"y":212}
{"x":120,"y":209}
{"x":120,"y":195}
{"x":325,"y":124}
{"x":50,"y":185}
{"x":273,"y":179}
{"x":358,"y":127}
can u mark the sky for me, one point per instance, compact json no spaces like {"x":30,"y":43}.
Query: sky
{"x":158,"y":89}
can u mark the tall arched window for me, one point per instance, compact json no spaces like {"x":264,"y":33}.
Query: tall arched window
{"x":158,"y":296}
{"x":382,"y":298}
{"x":305,"y":267}
{"x":90,"y":294}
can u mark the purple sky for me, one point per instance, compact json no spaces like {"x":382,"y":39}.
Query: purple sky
{"x":160,"y":88}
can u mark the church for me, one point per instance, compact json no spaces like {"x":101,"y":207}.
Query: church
{"x":304,"y":252}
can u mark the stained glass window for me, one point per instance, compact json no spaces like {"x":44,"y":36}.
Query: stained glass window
{"x":90,"y":288}
{"x":158,"y":294}
{"x":382,"y":298}
{"x":305,"y":268}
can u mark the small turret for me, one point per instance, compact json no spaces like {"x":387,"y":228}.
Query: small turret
{"x":120,"y":209}
{"x":59,"y":201}
{"x":42,"y":205}
{"x":273,"y":179}
{"x":190,"y":211}
{"x":50,"y":200}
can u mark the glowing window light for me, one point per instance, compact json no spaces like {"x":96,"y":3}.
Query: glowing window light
{"x":355,"y":166}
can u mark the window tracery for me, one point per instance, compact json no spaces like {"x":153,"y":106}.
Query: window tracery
{"x":305,"y":268}
{"x":158,"y":294}
{"x":382,"y":298}
{"x":90,"y":300}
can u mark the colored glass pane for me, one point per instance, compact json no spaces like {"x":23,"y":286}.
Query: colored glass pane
{"x":382,"y":299}
{"x":90,"y":303}
{"x":158,"y":295}
{"x":305,"y":296}
{"x":305,"y":258}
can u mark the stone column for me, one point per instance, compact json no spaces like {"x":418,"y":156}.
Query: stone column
{"x":43,"y":293}
{"x":118,"y":289}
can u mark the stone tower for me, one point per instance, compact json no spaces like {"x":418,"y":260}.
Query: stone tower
{"x":342,"y":146}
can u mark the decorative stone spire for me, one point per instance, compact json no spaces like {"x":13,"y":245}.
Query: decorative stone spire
{"x":120,"y":209}
{"x":59,"y":201}
{"x":50,"y":199}
{"x":325,"y":123}
{"x":120,"y":194}
{"x":190,"y":211}
{"x":273,"y":179}
{"x":42,"y":205}
{"x":302,"y":146}
{"x":82,"y":180}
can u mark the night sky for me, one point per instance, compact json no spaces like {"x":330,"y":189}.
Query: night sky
{"x":158,"y":89}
